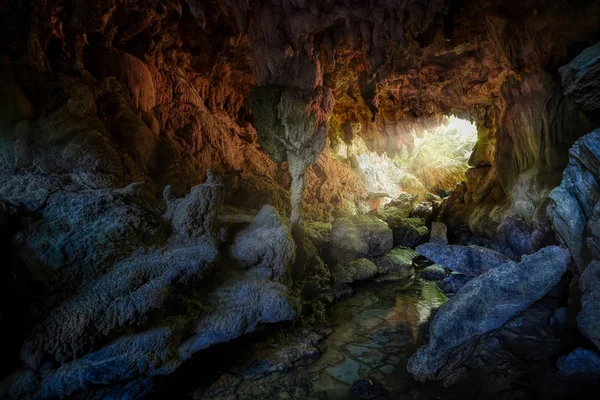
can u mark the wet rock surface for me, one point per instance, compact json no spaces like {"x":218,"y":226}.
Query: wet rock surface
{"x":482,"y":305}
{"x":397,"y":262}
{"x":408,"y":232}
{"x":355,"y":270}
{"x":453,"y":282}
{"x":363,"y":352}
{"x":468,"y":260}
{"x":433,"y":272}
{"x":359,"y":236}
{"x":361,"y":355}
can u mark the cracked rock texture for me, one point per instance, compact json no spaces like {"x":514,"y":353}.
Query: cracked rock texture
{"x":483,"y":304}
{"x":467,"y":260}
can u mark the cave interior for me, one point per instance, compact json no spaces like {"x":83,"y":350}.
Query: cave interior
{"x":300,"y":199}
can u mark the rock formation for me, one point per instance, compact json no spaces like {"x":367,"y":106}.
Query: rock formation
{"x":575,"y":199}
{"x":482,"y":305}
{"x":467,"y":260}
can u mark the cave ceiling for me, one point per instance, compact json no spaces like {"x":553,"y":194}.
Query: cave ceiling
{"x":387,"y":63}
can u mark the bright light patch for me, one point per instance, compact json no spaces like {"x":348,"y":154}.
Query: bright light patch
{"x":438,"y":161}
{"x":466,"y":132}
{"x":440,"y":157}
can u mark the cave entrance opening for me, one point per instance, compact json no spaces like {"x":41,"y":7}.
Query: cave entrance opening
{"x":435,"y":160}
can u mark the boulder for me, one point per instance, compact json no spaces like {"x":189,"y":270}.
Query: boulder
{"x":355,"y":270}
{"x":266,"y":246}
{"x":144,"y":285}
{"x":588,"y":319}
{"x":580,"y":361}
{"x":397,"y":262}
{"x":593,"y":233}
{"x":483,"y":305}
{"x":408,"y":232}
{"x":425,"y":210}
{"x":237,"y":308}
{"x":402,"y":205}
{"x":280,"y":354}
{"x":438,"y":233}
{"x":135,"y":287}
{"x":195,"y":215}
{"x":433,"y":272}
{"x":581,"y":78}
{"x":318,"y":232}
{"x":575,"y":199}
{"x":81,"y":234}
{"x":468,"y":260}
{"x":453,"y":282}
{"x":359,"y":236}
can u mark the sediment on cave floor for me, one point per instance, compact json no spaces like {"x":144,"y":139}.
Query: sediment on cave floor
{"x":216,"y":199}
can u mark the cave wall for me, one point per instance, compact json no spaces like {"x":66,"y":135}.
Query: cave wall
{"x":170,"y":91}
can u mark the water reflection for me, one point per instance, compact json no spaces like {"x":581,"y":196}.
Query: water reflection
{"x":374,"y":333}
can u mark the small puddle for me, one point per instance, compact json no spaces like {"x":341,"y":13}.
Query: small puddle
{"x":372,"y":335}
{"x":375,"y":332}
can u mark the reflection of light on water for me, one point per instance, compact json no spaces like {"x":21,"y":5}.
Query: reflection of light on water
{"x":431,"y":298}
{"x":415,"y":304}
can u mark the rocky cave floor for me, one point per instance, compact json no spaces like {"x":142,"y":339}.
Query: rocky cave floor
{"x":369,"y":338}
{"x":361,"y":351}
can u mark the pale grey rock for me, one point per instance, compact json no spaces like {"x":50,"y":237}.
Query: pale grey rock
{"x":266,"y":246}
{"x":468,"y":260}
{"x":361,"y":235}
{"x":123,"y":297}
{"x":195,"y":215}
{"x":79,"y":235}
{"x":588,"y":319}
{"x":239,"y":307}
{"x":483,"y":305}
{"x":577,"y":196}
{"x":581,"y":78}
{"x":438,"y":233}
